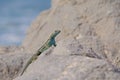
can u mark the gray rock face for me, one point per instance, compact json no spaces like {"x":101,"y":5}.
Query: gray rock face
{"x":87,"y":48}
{"x":11,"y":64}
{"x":11,"y":49}
{"x":59,"y":67}
{"x":72,"y":60}
{"x":95,"y":20}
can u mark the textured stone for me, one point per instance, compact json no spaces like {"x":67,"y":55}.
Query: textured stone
{"x":59,"y":67}
{"x":11,"y":64}
{"x":87,"y":48}
{"x":78,"y":19}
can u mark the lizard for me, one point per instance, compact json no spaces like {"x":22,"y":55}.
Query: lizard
{"x":51,"y":41}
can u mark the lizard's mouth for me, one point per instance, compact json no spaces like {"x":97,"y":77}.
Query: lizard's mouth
{"x":57,"y":31}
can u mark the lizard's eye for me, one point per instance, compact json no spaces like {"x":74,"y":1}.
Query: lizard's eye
{"x":56,"y":31}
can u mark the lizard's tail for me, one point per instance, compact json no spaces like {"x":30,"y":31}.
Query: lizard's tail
{"x":24,"y":68}
{"x":34,"y":57}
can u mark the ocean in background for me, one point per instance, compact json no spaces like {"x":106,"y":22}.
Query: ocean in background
{"x":16,"y":16}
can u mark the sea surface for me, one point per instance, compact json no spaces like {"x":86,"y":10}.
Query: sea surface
{"x":16,"y":16}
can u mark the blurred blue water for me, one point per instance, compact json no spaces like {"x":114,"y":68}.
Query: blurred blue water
{"x":16,"y":16}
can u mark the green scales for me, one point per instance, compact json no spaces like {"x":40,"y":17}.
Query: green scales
{"x":51,"y":41}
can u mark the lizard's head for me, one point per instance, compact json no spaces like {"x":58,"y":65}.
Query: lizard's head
{"x":55,"y":33}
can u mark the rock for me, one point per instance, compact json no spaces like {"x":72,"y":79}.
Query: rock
{"x":61,"y":67}
{"x":72,"y":59}
{"x":11,"y":64}
{"x":11,"y":49}
{"x":78,"y":19}
{"x":87,"y":48}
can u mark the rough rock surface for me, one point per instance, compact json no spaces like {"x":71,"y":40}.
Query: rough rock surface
{"x":87,"y":48}
{"x":57,"y":67}
{"x":75,"y":63}
{"x":80,"y":19}
{"x":10,"y":49}
{"x":10,"y":65}
{"x":95,"y":20}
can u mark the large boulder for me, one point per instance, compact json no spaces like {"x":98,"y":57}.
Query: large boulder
{"x":79,"y":19}
{"x":87,"y":48}
{"x":57,"y":66}
{"x":89,"y":28}
{"x":72,"y":59}
{"x":11,"y":64}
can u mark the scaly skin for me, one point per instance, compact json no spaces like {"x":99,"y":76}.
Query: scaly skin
{"x":48,"y":44}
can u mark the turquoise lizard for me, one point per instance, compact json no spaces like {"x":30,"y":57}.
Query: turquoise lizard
{"x":48,"y":44}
